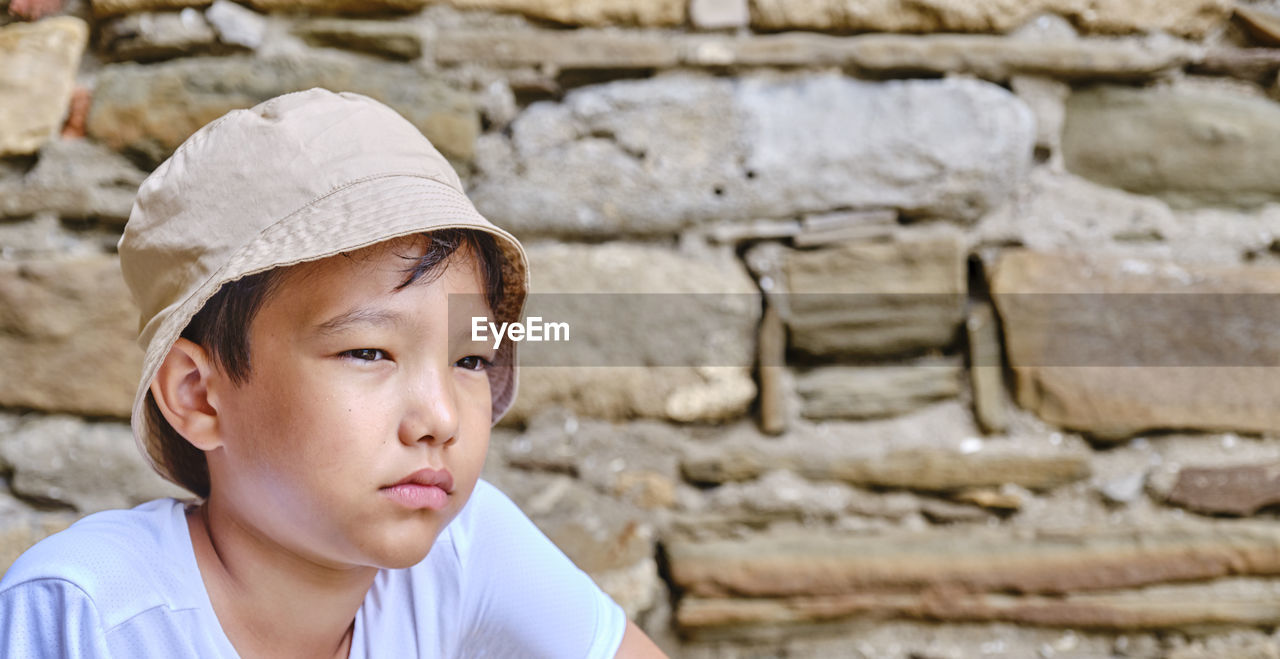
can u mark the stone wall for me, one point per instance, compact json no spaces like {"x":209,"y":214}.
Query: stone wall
{"x":999,"y":375}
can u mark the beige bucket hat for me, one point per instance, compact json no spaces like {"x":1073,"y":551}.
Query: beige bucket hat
{"x":296,"y":178}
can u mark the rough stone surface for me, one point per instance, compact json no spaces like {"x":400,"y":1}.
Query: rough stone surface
{"x":157,"y":35}
{"x":718,"y":14}
{"x":636,"y":588}
{"x":1256,"y":64}
{"x":774,"y":389}
{"x":1057,"y":211}
{"x":986,"y":368}
{"x":996,"y":58}
{"x":92,"y":467}
{"x":580,"y":49}
{"x":660,"y":155}
{"x":67,"y":329}
{"x":1192,"y":18}
{"x":1232,"y":646}
{"x":917,"y":468}
{"x":339,"y":6}
{"x":632,"y":308}
{"x":783,"y":494}
{"x":77,"y":113}
{"x":637,"y":462}
{"x":1263,"y":25}
{"x":854,"y":392}
{"x":1185,"y":145}
{"x":75,"y":179}
{"x":874,"y":297}
{"x":1047,"y":99}
{"x":1240,"y":490}
{"x":1230,"y":602}
{"x":1135,"y":371}
{"x":650,"y":13}
{"x":38,"y":63}
{"x":114,"y":7}
{"x":237,"y":25}
{"x":975,"y":560}
{"x":34,"y":10}
{"x":918,"y":639}
{"x":396,"y":40}
{"x":150,"y":110}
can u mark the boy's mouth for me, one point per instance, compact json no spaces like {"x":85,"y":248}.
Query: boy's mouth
{"x":423,"y":489}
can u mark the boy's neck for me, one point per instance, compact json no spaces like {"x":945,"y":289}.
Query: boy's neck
{"x":269,"y":602}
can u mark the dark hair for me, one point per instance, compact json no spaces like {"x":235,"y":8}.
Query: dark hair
{"x":222,"y":328}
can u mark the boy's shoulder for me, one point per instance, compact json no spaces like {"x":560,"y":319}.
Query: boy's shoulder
{"x":125,"y":561}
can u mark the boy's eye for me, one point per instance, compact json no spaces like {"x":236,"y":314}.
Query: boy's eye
{"x":474,"y":363}
{"x":365,"y":354}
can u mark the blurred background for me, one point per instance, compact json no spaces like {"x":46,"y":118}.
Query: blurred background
{"x":986,"y":295}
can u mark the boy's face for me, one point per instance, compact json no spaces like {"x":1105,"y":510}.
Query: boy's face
{"x":354,"y":386}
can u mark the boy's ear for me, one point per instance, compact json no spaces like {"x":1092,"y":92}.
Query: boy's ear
{"x":181,"y":391}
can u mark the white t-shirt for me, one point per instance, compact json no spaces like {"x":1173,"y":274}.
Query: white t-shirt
{"x":124,"y":583}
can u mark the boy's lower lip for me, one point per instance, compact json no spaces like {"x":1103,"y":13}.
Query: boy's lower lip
{"x":417,"y":497}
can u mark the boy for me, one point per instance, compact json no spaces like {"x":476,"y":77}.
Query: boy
{"x":294,"y":265}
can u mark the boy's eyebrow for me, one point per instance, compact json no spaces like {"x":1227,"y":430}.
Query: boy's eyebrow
{"x":360,"y":316}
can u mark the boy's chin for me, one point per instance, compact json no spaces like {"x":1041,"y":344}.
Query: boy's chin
{"x":402,"y":552}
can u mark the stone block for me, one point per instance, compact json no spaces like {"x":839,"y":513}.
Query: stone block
{"x":34,"y":10}
{"x":923,"y":469}
{"x":77,"y":113}
{"x":157,"y":35}
{"x":90,"y":466}
{"x":989,"y":57}
{"x":395,"y":40}
{"x":339,"y":6}
{"x":1057,"y":211}
{"x":116,"y":7}
{"x":1190,"y":608}
{"x":646,"y":13}
{"x":874,"y":297}
{"x":682,"y":353}
{"x":1046,"y":97}
{"x":635,"y":462}
{"x":771,"y":355}
{"x":74,"y":178}
{"x":67,"y":332}
{"x":1112,"y":346}
{"x":150,"y":110}
{"x":662,"y":155}
{"x":1000,"y":58}
{"x":1263,"y":25}
{"x":1255,"y":64}
{"x":237,"y":25}
{"x":868,"y":392}
{"x":578,"y":49}
{"x":937,"y":562}
{"x":783,"y":494}
{"x":1192,"y":18}
{"x":986,"y":369}
{"x":718,"y":14}
{"x":38,"y":63}
{"x":1185,"y":145}
{"x":1239,"y":490}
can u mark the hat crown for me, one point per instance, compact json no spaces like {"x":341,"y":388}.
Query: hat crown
{"x":248,"y":170}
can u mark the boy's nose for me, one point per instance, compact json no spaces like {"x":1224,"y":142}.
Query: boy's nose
{"x":431,"y":411}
